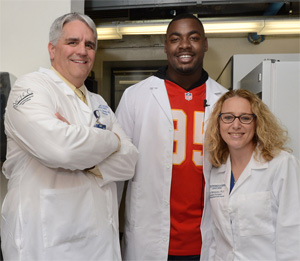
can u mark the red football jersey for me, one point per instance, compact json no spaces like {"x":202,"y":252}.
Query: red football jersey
{"x":187,"y":187}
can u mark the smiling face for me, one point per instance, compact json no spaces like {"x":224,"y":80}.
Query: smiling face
{"x":185,"y":47}
{"x":238,"y":136}
{"x":74,"y":54}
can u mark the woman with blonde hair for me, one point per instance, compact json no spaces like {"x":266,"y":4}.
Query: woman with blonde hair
{"x":252,"y":195}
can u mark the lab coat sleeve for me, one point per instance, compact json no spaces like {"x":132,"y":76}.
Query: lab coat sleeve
{"x":31,"y":122}
{"x":125,"y":113}
{"x":208,"y":241}
{"x":286,"y":189}
{"x":120,"y":165}
{"x":125,"y":118}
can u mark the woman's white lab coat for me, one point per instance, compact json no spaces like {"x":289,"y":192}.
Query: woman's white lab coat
{"x":53,"y":210}
{"x":145,"y":115}
{"x":260,"y":218}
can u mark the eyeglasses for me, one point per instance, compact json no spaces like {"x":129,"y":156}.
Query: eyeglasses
{"x":243,"y":118}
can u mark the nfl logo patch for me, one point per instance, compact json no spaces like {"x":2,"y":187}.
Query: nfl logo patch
{"x":188,"y":96}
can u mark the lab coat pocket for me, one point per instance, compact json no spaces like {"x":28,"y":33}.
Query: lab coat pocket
{"x":67,"y":214}
{"x":255,"y":214}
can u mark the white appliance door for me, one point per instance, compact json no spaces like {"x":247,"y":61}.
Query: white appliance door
{"x":285,"y":99}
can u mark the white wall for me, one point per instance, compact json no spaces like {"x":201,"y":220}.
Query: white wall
{"x":220,"y":50}
{"x":24,"y":29}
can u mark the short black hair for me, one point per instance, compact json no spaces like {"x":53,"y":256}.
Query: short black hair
{"x":185,"y":16}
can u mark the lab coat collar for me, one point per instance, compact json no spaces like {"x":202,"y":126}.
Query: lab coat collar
{"x":257,"y":162}
{"x":157,"y":86}
{"x":51,"y":73}
{"x":213,"y":93}
{"x":253,"y":165}
{"x":67,"y":90}
{"x":225,"y":169}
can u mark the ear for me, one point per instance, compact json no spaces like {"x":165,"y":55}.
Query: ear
{"x":51,"y":50}
{"x":205,"y":45}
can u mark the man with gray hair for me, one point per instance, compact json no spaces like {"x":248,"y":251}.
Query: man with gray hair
{"x":65,"y":152}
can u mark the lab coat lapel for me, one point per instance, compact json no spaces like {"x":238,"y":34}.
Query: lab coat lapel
{"x":225,"y":170}
{"x":252,"y":166}
{"x":84,"y":112}
{"x":213,"y":93}
{"x":160,"y":93}
{"x":93,"y":104}
{"x":223,"y":177}
{"x":84,"y":107}
{"x":244,"y":176}
{"x":211,"y":98}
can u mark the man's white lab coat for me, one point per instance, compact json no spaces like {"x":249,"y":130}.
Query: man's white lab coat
{"x":145,"y":115}
{"x":53,"y":209}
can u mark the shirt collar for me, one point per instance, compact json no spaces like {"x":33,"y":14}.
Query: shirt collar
{"x":72,"y":86}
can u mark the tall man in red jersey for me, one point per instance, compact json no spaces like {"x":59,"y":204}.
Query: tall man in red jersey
{"x":164,"y":116}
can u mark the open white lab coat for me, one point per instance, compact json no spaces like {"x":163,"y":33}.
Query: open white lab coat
{"x":260,"y":218}
{"x":144,"y":113}
{"x":53,"y":209}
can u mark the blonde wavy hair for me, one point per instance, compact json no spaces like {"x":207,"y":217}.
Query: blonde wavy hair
{"x":269,"y":138}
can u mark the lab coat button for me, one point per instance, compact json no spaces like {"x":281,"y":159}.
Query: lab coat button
{"x":166,"y":203}
{"x":165,"y":239}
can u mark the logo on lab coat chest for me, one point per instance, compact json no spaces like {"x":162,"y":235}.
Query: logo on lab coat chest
{"x":216,"y":191}
{"x":23,"y":98}
{"x":101,"y":112}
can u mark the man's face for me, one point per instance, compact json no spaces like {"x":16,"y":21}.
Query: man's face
{"x":185,"y":46}
{"x":74,"y":54}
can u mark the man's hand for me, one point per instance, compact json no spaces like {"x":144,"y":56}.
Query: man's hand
{"x":58,"y":116}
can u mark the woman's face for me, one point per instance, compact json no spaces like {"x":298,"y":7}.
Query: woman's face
{"x":238,"y":136}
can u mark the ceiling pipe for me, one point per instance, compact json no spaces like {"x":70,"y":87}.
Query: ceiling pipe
{"x":273,"y":9}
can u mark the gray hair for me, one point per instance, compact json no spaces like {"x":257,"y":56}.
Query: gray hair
{"x":56,"y":28}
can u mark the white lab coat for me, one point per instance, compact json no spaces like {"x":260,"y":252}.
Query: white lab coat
{"x":53,"y":210}
{"x":144,"y":113}
{"x":260,"y":219}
